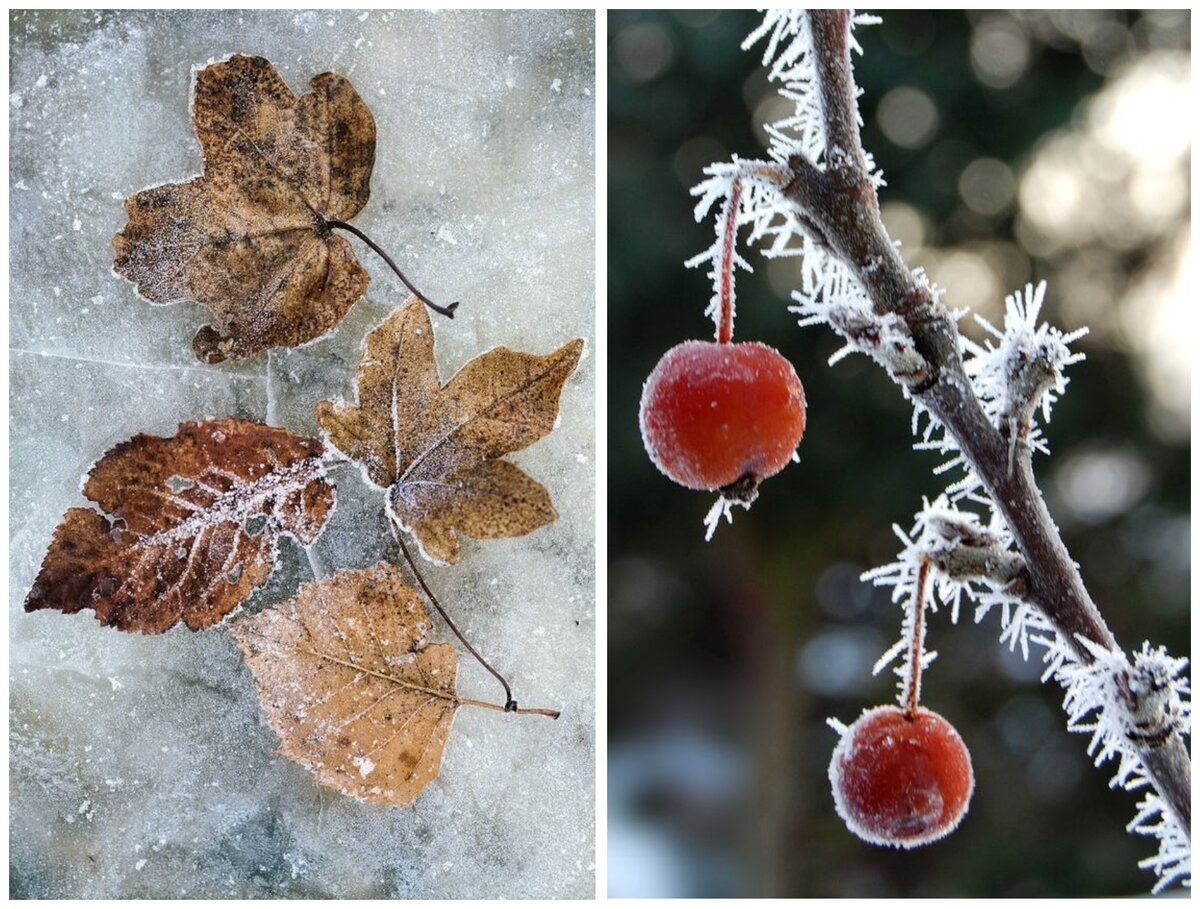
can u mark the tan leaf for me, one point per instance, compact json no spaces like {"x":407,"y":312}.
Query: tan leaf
{"x":250,"y":239}
{"x":348,"y":684}
{"x":195,"y":522}
{"x":435,"y":447}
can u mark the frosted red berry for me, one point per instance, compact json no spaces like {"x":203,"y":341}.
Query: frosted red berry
{"x":901,"y":781}
{"x":722,"y":416}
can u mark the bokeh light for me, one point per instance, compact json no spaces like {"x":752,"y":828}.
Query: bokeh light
{"x":907,"y":116}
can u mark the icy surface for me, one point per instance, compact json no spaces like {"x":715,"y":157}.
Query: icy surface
{"x":141,"y":766}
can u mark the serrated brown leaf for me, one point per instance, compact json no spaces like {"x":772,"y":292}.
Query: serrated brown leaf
{"x":249,"y":238}
{"x":436,"y":448}
{"x":195,"y":520}
{"x":345,"y":679}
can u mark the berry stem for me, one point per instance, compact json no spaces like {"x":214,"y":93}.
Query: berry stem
{"x":447,"y":311}
{"x":726,"y":265}
{"x":916,"y":643}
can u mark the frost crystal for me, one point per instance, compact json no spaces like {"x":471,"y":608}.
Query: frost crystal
{"x":759,"y":183}
{"x":750,"y":194}
{"x":722,"y":508}
{"x":1121,"y":701}
{"x":1124,"y":703}
{"x":1022,"y":371}
{"x":844,"y":306}
{"x":967,"y":557}
{"x":789,"y":55}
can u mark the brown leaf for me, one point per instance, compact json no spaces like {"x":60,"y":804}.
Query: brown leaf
{"x":196,"y":519}
{"x":346,"y":682}
{"x":435,"y":447}
{"x":249,"y":239}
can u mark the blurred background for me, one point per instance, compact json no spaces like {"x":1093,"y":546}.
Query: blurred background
{"x":1016,"y":146}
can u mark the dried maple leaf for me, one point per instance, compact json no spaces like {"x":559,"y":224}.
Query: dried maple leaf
{"x":196,"y":522}
{"x":348,"y":684}
{"x":251,"y":237}
{"x":436,"y":448}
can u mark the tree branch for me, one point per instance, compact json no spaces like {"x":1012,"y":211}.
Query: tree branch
{"x":846,"y":164}
{"x":843,"y":204}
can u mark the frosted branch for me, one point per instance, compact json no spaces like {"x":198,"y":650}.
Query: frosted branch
{"x":820,"y":202}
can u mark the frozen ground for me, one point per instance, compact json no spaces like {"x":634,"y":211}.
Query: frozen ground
{"x":141,"y":766}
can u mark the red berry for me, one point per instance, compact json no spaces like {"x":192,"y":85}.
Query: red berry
{"x":713,"y":415}
{"x":899,"y":781}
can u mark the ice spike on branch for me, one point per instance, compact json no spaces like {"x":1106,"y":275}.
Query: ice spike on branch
{"x":788,"y":54}
{"x":1021,"y":370}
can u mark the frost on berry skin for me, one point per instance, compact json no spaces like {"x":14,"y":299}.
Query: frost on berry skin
{"x":898,"y":781}
{"x":722,"y":416}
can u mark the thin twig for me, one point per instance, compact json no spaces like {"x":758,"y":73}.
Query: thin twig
{"x":844,"y":159}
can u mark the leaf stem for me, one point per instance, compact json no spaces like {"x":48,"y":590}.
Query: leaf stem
{"x":447,"y":311}
{"x":510,"y":705}
{"x":503,"y":708}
